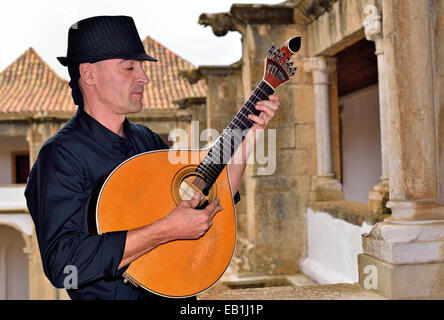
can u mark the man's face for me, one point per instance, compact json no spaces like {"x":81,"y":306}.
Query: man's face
{"x":120,"y":84}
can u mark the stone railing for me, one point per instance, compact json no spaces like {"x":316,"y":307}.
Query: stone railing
{"x":12,"y":198}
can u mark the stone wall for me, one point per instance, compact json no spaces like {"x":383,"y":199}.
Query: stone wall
{"x":338,"y":28}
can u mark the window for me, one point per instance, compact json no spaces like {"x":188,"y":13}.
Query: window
{"x":20,"y":166}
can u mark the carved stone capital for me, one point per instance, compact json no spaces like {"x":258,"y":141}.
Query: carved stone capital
{"x":220,"y":22}
{"x":320,"y":67}
{"x":322,"y":64}
{"x":192,"y":75}
{"x":324,"y":187}
{"x":372,"y":23}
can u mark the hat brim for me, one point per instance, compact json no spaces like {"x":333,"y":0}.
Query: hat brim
{"x":66,"y":61}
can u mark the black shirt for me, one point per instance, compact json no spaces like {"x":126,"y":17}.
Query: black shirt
{"x":66,"y":170}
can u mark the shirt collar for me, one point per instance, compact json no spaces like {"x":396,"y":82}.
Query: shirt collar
{"x":103,"y":135}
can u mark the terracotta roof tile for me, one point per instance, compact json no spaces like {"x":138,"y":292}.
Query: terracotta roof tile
{"x":166,"y":85}
{"x":29,"y":86}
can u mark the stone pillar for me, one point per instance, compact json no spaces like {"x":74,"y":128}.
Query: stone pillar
{"x":40,"y":288}
{"x":38,"y":133}
{"x":324,"y":186}
{"x":378,"y":196}
{"x":412,"y":138}
{"x":404,"y":252}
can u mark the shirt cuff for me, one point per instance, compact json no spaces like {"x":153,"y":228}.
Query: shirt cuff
{"x":115,"y":241}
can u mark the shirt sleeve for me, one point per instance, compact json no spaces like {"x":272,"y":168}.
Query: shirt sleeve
{"x":57,"y":198}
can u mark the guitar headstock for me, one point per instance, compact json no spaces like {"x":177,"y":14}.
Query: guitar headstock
{"x":278,"y":67}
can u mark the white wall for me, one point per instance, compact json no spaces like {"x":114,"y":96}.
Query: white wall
{"x":8,"y":145}
{"x":333,"y":246}
{"x":360,"y":143}
{"x":12,"y":198}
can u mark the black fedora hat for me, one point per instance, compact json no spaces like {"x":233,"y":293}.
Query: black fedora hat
{"x":104,"y":37}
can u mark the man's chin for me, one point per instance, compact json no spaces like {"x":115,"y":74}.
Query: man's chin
{"x":135,"y":107}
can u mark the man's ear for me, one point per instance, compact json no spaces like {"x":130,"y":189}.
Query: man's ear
{"x":87,"y":73}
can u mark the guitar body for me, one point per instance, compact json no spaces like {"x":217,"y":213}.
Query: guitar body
{"x":146,"y":188}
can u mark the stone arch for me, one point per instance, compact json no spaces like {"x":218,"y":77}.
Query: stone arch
{"x":14,"y":262}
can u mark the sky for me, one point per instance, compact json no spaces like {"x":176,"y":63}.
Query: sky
{"x":43,"y":25}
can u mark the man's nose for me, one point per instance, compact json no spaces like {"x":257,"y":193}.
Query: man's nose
{"x":143,"y":77}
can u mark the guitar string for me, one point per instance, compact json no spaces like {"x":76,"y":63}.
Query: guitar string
{"x":262,"y":95}
{"x":217,"y":149}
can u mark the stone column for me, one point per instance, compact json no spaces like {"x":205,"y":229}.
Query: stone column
{"x":40,"y":288}
{"x":412,"y":137}
{"x":403,"y":254}
{"x":378,"y":196}
{"x":324,"y":185}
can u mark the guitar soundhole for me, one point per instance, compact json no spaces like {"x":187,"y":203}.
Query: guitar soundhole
{"x":187,"y":182}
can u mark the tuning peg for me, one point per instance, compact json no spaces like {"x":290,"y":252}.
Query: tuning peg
{"x":271,"y":50}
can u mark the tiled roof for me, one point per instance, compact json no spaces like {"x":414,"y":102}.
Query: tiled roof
{"x":165,"y":84}
{"x":29,"y":86}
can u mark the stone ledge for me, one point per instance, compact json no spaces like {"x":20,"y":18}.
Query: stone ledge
{"x":311,"y":292}
{"x":352,"y":212}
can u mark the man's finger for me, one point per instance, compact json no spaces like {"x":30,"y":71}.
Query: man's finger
{"x":268,"y":104}
{"x":256,"y":119}
{"x":215,"y":210}
{"x":195,"y":200}
{"x":265,"y":110}
{"x":212,"y":206}
{"x":275,"y":99}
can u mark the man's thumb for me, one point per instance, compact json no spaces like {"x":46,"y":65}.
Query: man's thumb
{"x":192,"y":203}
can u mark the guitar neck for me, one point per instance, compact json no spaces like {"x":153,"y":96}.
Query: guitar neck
{"x":231,"y":138}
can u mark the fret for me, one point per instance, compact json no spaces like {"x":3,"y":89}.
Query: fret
{"x":253,"y":109}
{"x":246,"y":117}
{"x":262,"y":91}
{"x":235,"y":132}
{"x":209,"y":167}
{"x":246,"y":126}
{"x":204,"y":171}
{"x":237,"y":124}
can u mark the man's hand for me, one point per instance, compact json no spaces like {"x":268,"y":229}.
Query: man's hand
{"x":182,"y":223}
{"x":268,"y":109}
{"x":236,"y":168}
{"x":189,"y":223}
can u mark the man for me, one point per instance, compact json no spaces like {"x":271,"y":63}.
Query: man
{"x":105,"y":56}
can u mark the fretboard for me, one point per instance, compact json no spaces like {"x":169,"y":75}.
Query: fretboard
{"x":231,"y":138}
